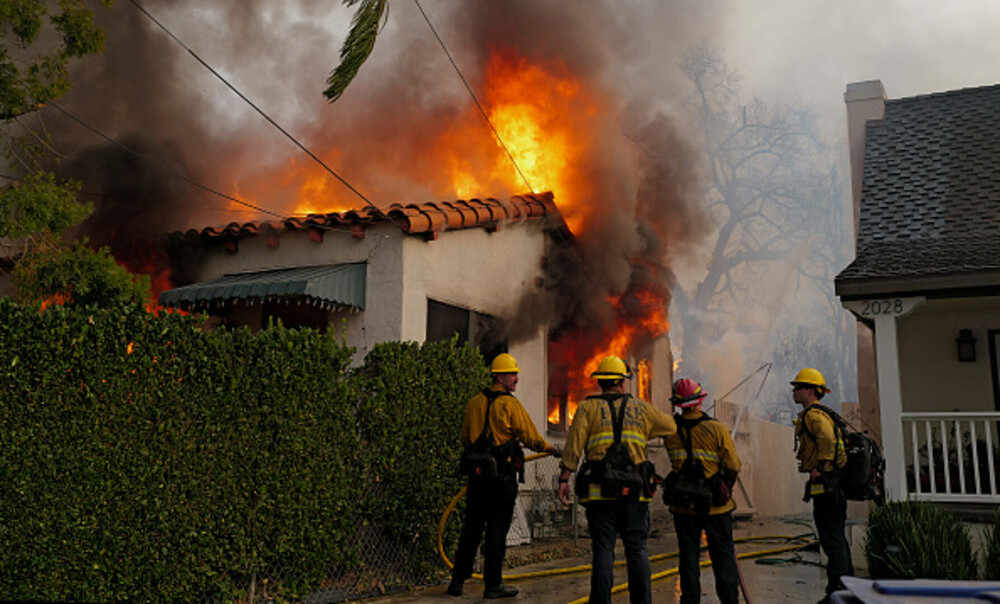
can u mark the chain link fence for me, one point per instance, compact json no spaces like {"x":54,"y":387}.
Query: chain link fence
{"x":542,"y":527}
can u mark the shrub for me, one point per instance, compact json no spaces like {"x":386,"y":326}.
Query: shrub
{"x":410,"y":417}
{"x":991,"y":550}
{"x":147,"y":460}
{"x":144,"y":459}
{"x":909,"y":540}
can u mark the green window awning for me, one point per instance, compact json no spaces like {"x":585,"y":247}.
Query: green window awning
{"x":333,"y":286}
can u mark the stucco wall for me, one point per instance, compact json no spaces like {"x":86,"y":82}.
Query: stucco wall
{"x":486,"y":272}
{"x":932,"y":377}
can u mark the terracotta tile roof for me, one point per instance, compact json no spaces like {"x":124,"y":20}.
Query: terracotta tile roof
{"x":930,"y":193}
{"x":426,"y":219}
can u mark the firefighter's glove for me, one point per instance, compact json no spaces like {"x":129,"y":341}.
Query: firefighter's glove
{"x":807,"y":495}
{"x":555,"y":451}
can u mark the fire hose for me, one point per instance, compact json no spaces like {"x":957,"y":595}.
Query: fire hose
{"x":799,"y":542}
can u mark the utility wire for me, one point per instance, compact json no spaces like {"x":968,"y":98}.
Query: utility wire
{"x":105,"y":195}
{"x":160,"y":166}
{"x":256,"y":108}
{"x":469,"y":88}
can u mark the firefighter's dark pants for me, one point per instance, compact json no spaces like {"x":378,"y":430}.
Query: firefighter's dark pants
{"x":490,"y":505}
{"x":718,"y":530}
{"x":606,"y":520}
{"x":830,"y":515}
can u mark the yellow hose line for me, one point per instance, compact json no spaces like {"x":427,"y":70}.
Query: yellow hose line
{"x":586,"y":567}
{"x":451,"y":508}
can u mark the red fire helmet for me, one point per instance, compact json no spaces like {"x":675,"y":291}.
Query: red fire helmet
{"x":687,"y":393}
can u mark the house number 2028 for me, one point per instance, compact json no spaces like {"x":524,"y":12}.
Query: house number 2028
{"x":882,"y":307}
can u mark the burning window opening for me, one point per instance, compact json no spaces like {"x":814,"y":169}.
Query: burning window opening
{"x":571,"y":360}
{"x":644,"y":380}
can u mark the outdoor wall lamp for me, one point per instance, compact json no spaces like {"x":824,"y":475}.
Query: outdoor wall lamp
{"x":966,"y":346}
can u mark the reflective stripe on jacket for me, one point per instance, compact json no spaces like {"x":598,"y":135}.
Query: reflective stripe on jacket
{"x":592,"y":433}
{"x":508,"y":421}
{"x":713,"y":445}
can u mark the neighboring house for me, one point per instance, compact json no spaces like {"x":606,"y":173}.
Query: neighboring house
{"x":925,"y":286}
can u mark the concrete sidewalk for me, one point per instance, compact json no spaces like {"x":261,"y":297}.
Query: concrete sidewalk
{"x":790,"y":577}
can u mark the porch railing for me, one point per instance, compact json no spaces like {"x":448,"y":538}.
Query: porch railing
{"x":952,"y":457}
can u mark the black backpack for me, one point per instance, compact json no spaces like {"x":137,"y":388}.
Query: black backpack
{"x":862,"y":476}
{"x":688,"y":488}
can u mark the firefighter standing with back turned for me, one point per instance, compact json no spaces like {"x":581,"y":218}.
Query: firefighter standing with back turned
{"x":490,"y":499}
{"x":592,"y":433}
{"x":710,"y":443}
{"x":821,"y":453}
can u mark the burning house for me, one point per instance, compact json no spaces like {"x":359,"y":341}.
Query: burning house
{"x":496,"y":273}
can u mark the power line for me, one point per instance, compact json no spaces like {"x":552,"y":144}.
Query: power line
{"x":160,"y":166}
{"x":255,"y":107}
{"x":469,"y":88}
{"x":105,"y":195}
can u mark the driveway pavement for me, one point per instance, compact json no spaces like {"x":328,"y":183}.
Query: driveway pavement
{"x":786,"y":577}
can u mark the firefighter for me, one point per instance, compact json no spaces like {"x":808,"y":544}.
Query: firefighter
{"x":627,"y":512}
{"x":821,"y":454}
{"x":490,"y":499}
{"x":710,"y":444}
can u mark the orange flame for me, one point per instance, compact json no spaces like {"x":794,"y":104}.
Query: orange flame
{"x":57,"y":299}
{"x":541,"y":113}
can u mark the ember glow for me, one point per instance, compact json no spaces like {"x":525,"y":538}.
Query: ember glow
{"x":58,"y":299}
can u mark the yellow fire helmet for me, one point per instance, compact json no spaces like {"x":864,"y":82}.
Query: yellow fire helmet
{"x":810,"y":377}
{"x":504,"y":363}
{"x":612,"y":368}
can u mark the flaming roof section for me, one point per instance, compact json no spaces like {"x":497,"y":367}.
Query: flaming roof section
{"x":426,"y":219}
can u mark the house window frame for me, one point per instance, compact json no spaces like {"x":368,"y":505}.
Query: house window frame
{"x":993,"y":337}
{"x":476,"y":330}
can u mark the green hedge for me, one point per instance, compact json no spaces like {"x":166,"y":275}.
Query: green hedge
{"x":410,"y":419}
{"x":144,"y":459}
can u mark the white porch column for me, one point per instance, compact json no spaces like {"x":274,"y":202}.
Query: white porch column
{"x":890,"y":406}
{"x":885,"y":313}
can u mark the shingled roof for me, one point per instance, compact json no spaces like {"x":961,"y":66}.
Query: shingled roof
{"x":425,"y":220}
{"x":930,"y":198}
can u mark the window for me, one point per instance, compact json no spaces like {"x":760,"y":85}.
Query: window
{"x":483,"y":331}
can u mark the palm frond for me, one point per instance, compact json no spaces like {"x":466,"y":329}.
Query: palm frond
{"x":360,"y":42}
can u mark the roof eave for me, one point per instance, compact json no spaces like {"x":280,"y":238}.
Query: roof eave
{"x":938,"y":286}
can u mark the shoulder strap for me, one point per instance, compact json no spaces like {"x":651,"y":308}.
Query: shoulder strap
{"x":838,"y":422}
{"x":617,"y":421}
{"x":486,"y":436}
{"x":689,"y":424}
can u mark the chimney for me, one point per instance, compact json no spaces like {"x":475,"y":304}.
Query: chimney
{"x":865,"y":101}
